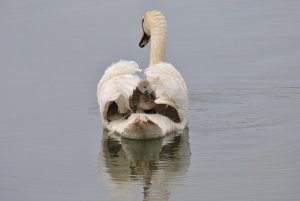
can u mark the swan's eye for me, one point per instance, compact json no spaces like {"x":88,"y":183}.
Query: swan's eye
{"x":143,"y":24}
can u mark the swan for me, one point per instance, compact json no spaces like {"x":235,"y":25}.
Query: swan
{"x":120,"y":80}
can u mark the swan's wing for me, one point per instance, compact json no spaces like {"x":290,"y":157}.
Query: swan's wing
{"x":170,"y":87}
{"x":117,"y":84}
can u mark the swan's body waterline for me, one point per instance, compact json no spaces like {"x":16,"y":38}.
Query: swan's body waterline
{"x":120,"y":80}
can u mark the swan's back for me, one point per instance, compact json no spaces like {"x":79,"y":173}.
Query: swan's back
{"x":170,"y":87}
{"x":116,"y":85}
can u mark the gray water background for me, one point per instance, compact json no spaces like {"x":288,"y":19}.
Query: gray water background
{"x":240,"y":60}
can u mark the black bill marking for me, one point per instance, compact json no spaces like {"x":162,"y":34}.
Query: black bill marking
{"x":144,"y":37}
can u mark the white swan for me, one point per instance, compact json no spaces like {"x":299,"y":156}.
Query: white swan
{"x":120,"y":80}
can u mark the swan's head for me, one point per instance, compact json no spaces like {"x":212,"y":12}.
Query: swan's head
{"x":145,"y":88}
{"x":152,"y":20}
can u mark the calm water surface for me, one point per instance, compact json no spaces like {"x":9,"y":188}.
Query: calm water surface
{"x":240,"y":60}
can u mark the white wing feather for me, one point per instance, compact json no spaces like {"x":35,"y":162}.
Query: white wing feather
{"x":170,"y":87}
{"x":117,"y":84}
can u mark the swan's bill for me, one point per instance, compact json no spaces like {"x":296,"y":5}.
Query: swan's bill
{"x":144,"y":39}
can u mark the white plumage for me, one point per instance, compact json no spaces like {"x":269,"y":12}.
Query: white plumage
{"x":169,"y":86}
{"x":117,"y":84}
{"x":120,"y":79}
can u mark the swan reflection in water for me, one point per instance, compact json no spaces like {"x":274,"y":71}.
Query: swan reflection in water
{"x":144,"y":170}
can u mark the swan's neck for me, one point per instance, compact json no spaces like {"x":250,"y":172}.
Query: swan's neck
{"x":158,"y":41}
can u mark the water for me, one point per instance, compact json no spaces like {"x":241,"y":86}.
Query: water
{"x":241,"y":63}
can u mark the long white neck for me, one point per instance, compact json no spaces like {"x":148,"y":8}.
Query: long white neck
{"x":158,"y":31}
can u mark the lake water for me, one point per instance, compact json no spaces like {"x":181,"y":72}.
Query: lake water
{"x":240,"y":60}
